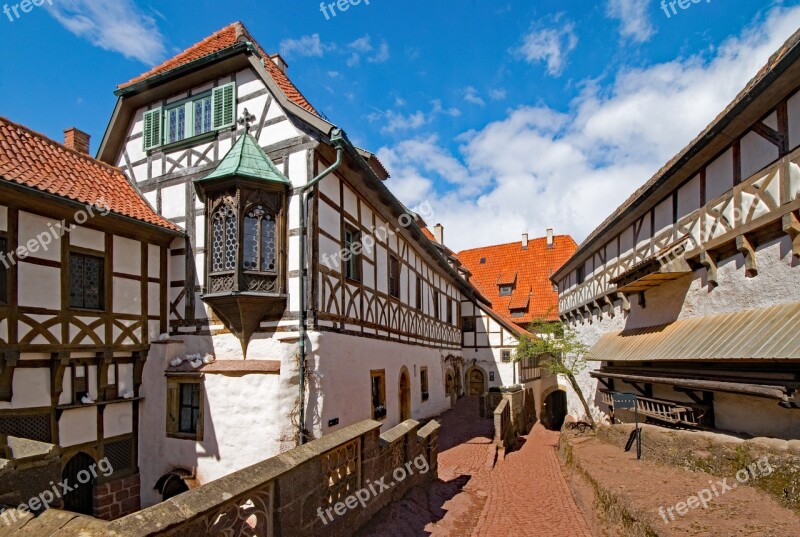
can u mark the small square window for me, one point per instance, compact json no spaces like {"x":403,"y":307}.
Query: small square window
{"x":185,"y":408}
{"x":506,"y":356}
{"x":468,"y":324}
{"x":506,"y":290}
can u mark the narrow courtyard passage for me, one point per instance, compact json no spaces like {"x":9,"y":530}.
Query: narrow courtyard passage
{"x":523,"y":494}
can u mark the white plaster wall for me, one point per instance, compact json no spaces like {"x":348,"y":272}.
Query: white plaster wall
{"x":127,"y":296}
{"x":31,"y":388}
{"x":340,"y":380}
{"x":36,"y":285}
{"x":118,"y":419}
{"x":3,"y":218}
{"x":78,"y":426}
{"x":755,"y":416}
{"x":88,"y":238}
{"x":127,"y":256}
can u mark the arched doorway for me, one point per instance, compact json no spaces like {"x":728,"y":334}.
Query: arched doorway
{"x":405,"y":395}
{"x":79,"y":474}
{"x":172,"y":484}
{"x":554,"y":410}
{"x":476,"y":382}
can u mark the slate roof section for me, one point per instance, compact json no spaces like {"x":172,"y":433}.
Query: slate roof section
{"x":533,"y":267}
{"x":33,"y":160}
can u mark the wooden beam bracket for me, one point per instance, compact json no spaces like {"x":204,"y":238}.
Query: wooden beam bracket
{"x":607,"y":300}
{"x":626,"y":305}
{"x":791,"y":226}
{"x":707,"y":260}
{"x":745,"y":246}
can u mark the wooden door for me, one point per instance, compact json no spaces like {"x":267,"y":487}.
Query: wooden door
{"x":476,"y":382}
{"x":405,"y":396}
{"x":81,"y":480}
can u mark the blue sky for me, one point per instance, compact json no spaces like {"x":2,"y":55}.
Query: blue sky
{"x":519,"y":115}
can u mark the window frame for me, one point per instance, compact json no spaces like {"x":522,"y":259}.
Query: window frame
{"x":4,"y":283}
{"x":351,"y":267}
{"x":112,"y":390}
{"x":102,"y":258}
{"x":450,"y":308}
{"x":174,"y":406}
{"x":436,"y":305}
{"x":259,"y":238}
{"x":506,"y":290}
{"x":419,"y":293}
{"x":77,"y":396}
{"x":379,"y":374}
{"x":468,"y":324}
{"x":424,"y":383}
{"x":394,"y":276}
{"x":505,"y":356}
{"x":188,"y":105}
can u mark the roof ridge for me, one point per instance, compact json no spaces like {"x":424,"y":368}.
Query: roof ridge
{"x":514,"y":242}
{"x":47,"y":139}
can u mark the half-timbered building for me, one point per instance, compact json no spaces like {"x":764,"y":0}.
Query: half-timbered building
{"x":82,"y":261}
{"x":515,"y":278}
{"x":689,"y":291}
{"x":294,"y":247}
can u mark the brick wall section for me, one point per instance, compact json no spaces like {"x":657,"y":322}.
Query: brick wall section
{"x":77,"y":140}
{"x":117,"y":498}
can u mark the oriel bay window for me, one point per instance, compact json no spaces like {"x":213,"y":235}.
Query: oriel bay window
{"x":245,"y":199}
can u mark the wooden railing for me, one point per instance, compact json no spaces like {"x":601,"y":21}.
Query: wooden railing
{"x":672,"y":412}
{"x":762,"y":199}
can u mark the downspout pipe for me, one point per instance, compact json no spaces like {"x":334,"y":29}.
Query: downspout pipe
{"x":338,"y":139}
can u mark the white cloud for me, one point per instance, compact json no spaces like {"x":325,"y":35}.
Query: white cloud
{"x":538,"y":167}
{"x":497,"y":94}
{"x":634,"y":20}
{"x":363,"y":47}
{"x":396,"y":121}
{"x":114,"y":25}
{"x":307,"y":45}
{"x":550,"y":45}
{"x":472,"y":96}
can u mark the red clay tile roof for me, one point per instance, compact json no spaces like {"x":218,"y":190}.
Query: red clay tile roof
{"x":225,"y":38}
{"x":427,"y":233}
{"x":520,"y":300}
{"x":507,"y":277}
{"x":533,"y":266}
{"x":33,"y":160}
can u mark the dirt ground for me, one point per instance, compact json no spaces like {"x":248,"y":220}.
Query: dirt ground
{"x":641,"y":498}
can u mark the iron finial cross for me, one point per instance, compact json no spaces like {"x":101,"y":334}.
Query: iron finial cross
{"x":246,"y":119}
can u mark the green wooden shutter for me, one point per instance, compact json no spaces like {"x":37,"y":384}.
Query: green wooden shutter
{"x":223,"y":104}
{"x":173,"y":406}
{"x":152,"y":128}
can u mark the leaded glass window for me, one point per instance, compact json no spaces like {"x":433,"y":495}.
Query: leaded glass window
{"x":85,"y":281}
{"x":259,"y":240}
{"x":223,"y":239}
{"x":202,"y":115}
{"x":176,"y":124}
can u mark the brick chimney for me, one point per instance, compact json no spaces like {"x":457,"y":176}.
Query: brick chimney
{"x":77,"y":140}
{"x":524,"y":241}
{"x":438,"y":233}
{"x":550,"y":238}
{"x":278,"y":60}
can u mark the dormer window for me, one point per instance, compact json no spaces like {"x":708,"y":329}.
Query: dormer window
{"x":506,"y":290}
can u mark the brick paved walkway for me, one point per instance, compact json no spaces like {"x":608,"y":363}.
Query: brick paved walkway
{"x":524,"y":495}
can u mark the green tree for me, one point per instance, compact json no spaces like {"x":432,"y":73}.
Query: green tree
{"x":558,"y":349}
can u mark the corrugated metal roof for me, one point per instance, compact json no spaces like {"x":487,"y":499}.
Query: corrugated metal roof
{"x":768,"y":334}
